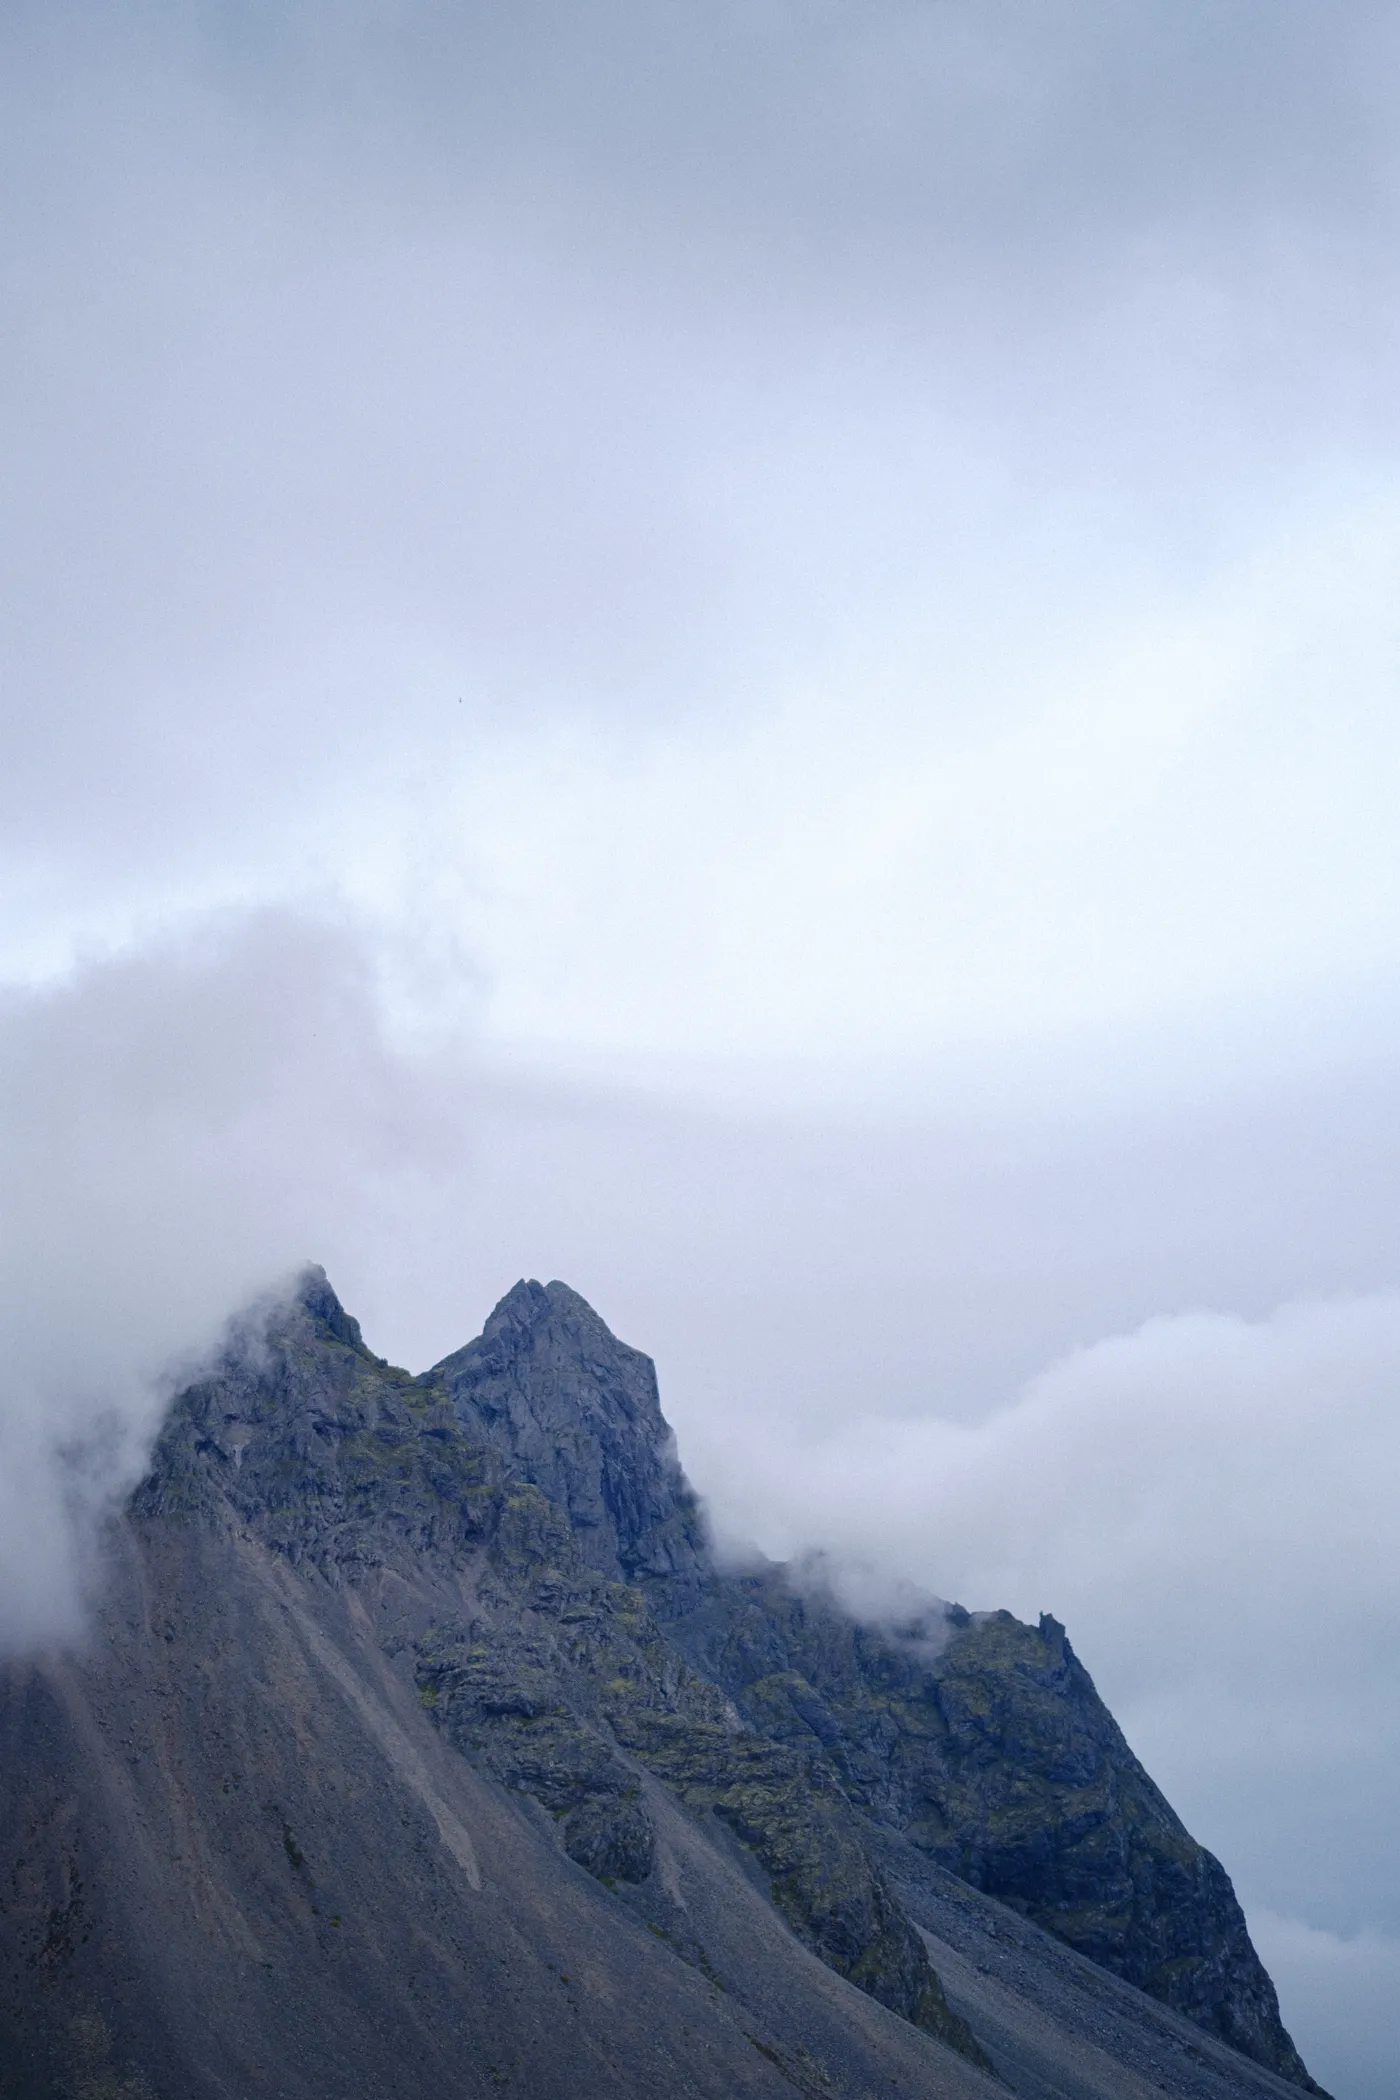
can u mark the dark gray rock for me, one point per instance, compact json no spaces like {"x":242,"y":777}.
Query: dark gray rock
{"x":578,"y":1413}
{"x":420,"y":1746}
{"x":982,"y":1741}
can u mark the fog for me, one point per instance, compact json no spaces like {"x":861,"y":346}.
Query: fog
{"x":181,"y":1126}
{"x":749,"y":658}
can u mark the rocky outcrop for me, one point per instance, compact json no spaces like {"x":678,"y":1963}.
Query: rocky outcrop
{"x":561,"y":1686}
{"x":980,"y":1740}
{"x":983,"y":1743}
{"x":495,"y":1576}
{"x":577,"y":1412}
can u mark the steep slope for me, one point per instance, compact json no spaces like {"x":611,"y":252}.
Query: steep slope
{"x":979,"y":1740}
{"x":995,"y":1758}
{"x":419,"y":1746}
{"x":228,"y":1882}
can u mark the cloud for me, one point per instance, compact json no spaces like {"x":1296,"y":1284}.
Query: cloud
{"x":1208,"y":1502}
{"x":1344,"y":1988}
{"x":746,"y":518}
{"x":384,"y":375}
{"x":186,"y":1127}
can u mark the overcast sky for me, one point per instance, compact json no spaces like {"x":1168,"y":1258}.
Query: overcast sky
{"x":748,"y":655}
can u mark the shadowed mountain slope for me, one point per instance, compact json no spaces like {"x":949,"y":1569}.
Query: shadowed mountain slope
{"x":419,"y":1745}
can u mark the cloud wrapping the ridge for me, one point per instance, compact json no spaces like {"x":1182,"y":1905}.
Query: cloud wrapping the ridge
{"x":185,"y":1127}
{"x":1209,"y":1504}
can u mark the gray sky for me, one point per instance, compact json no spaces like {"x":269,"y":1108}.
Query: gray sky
{"x":748,"y":656}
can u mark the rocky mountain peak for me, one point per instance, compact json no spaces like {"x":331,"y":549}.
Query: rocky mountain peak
{"x":577,"y":1412}
{"x":315,"y":1297}
{"x":512,"y":1533}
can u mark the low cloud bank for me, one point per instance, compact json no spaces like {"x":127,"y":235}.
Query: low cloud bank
{"x":186,"y":1127}
{"x":1209,"y":1503}
{"x":1210,"y":1455}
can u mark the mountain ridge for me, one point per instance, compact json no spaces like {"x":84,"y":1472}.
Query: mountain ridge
{"x":506,"y":1552}
{"x":1226,"y":1989}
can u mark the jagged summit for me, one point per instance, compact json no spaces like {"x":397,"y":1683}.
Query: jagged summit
{"x":315,"y":1295}
{"x":422,"y":1746}
{"x":578,"y":1412}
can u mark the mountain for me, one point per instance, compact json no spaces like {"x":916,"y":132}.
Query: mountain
{"x":420,"y":1745}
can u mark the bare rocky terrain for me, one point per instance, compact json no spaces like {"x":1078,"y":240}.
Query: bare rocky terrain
{"x":420,"y":1747}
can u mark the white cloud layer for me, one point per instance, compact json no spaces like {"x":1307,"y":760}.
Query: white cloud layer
{"x":837,"y":537}
{"x":183,"y":1128}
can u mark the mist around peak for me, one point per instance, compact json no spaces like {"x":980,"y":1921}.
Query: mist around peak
{"x":182,"y":1126}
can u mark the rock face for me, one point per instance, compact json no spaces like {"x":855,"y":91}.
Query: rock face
{"x":997,"y":1759}
{"x":980,"y":1740}
{"x":422,"y":1745}
{"x":569,"y":1407}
